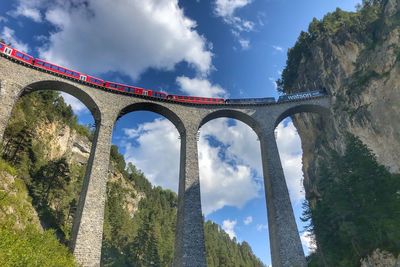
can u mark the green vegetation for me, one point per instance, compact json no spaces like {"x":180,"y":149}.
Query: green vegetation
{"x":359,"y":208}
{"x":30,"y":247}
{"x":221,"y":251}
{"x":53,"y":185}
{"x":22,"y":242}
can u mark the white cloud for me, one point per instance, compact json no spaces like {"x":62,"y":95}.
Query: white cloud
{"x":226,"y":9}
{"x":127,"y":36}
{"x":200,"y":87}
{"x":277,"y":48}
{"x":158,"y":152}
{"x":240,"y":140}
{"x":244,"y":43}
{"x":261,"y":227}
{"x":77,"y":106}
{"x":248,"y":220}
{"x":308,"y":242}
{"x":290,"y":152}
{"x":25,"y":10}
{"x":154,"y":148}
{"x":9,"y":37}
{"x":229,"y":227}
{"x":3,"y":19}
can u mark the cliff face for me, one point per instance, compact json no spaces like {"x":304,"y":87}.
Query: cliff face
{"x":356,"y":57}
{"x":59,"y":140}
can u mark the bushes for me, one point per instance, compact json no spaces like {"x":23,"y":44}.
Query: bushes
{"x":31,"y":248}
{"x":4,"y":166}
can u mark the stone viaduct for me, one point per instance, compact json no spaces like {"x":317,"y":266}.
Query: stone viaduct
{"x":286,"y":249}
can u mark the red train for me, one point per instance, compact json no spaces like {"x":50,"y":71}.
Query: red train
{"x":113,"y":86}
{"x":24,"y":58}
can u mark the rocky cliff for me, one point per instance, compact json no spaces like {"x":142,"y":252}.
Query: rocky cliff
{"x":356,"y":58}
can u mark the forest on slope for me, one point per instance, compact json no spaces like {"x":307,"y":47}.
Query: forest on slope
{"x":350,"y":162}
{"x":44,"y":157}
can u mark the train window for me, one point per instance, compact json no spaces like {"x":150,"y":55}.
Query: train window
{"x":54,"y":67}
{"x":68,"y":72}
{"x":19,"y":54}
{"x":39,"y":62}
{"x":1,"y":45}
{"x":76,"y":74}
{"x":27,"y":58}
{"x":62,"y":70}
{"x":47,"y":65}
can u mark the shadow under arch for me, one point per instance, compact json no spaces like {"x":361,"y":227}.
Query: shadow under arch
{"x":301,"y":108}
{"x":233,"y":114}
{"x":68,"y":88}
{"x":156,"y":108}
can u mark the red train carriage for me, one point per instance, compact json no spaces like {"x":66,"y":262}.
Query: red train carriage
{"x":119,"y":87}
{"x":196,"y":99}
{"x":16,"y":54}
{"x":56,"y":69}
{"x":92,"y":80}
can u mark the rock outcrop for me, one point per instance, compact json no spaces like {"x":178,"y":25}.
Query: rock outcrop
{"x":361,"y":71}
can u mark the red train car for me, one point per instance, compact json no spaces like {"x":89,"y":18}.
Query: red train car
{"x":196,"y":99}
{"x":92,"y":80}
{"x":56,"y":69}
{"x":16,"y":54}
{"x":119,"y":87}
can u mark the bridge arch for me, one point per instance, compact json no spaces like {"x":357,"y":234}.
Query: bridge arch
{"x":65,"y":87}
{"x":156,"y":108}
{"x":302,"y":108}
{"x":233,"y":114}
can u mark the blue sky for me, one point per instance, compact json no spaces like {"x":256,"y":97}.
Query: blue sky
{"x":225,"y":48}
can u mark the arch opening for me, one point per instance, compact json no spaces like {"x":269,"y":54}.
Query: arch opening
{"x":303,"y":108}
{"x":141,"y":203}
{"x":233,"y":114}
{"x":232,"y":191}
{"x":48,"y":143}
{"x":67,"y":88}
{"x":290,"y":148}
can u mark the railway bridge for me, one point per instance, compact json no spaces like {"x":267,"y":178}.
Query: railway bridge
{"x":286,"y":249}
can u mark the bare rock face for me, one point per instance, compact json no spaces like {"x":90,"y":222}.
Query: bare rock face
{"x":363,"y":78}
{"x":59,"y":140}
{"x":380,"y":259}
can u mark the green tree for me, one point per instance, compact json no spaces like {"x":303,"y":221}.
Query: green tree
{"x":359,"y":210}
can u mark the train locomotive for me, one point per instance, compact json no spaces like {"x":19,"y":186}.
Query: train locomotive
{"x":29,"y":60}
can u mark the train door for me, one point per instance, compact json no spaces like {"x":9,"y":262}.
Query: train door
{"x":8,"y":51}
{"x":83,"y":78}
{"x":145,"y":92}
